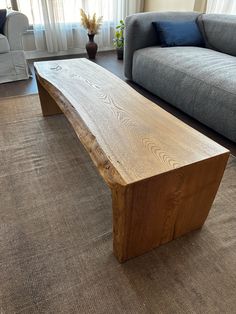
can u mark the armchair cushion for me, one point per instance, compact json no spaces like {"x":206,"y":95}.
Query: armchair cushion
{"x":4,"y":45}
{"x":13,"y":66}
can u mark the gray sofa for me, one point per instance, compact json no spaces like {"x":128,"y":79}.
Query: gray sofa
{"x":199,"y":81}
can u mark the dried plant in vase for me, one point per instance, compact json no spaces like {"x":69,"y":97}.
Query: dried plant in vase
{"x":92,"y":24}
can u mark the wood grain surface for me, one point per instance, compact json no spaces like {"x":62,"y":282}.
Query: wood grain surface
{"x":163,"y":174}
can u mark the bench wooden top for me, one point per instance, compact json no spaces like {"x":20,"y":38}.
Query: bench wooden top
{"x":128,"y":137}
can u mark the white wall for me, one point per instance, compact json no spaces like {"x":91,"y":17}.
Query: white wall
{"x":169,"y":5}
{"x":200,"y":5}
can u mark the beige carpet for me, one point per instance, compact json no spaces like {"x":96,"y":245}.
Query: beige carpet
{"x":56,"y":240}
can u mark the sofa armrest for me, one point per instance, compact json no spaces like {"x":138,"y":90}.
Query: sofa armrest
{"x":16,"y":24}
{"x":140,"y":33}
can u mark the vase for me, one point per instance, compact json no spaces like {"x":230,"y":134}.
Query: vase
{"x":120,"y":53}
{"x":91,"y":47}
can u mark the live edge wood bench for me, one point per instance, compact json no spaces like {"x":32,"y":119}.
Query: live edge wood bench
{"x":163,"y":174}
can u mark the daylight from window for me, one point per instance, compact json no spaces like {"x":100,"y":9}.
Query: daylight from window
{"x":5,"y":4}
{"x":68,"y":11}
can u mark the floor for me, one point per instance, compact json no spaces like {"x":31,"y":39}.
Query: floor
{"x":56,"y":227}
{"x":56,"y":233}
{"x":109,"y":61}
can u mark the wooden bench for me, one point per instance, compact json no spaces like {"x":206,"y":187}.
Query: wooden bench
{"x":163,"y":174}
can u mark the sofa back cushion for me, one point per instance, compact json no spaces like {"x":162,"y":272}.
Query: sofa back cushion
{"x":219,"y":31}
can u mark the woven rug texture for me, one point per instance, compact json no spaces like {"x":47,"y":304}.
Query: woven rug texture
{"x":56,"y":233}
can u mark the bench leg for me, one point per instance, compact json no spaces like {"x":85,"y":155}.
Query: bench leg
{"x":48,"y":104}
{"x":157,"y":210}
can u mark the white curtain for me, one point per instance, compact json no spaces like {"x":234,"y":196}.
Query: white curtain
{"x":221,"y":6}
{"x":57,"y":26}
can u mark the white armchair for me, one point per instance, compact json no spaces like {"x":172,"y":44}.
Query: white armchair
{"x":13,"y":65}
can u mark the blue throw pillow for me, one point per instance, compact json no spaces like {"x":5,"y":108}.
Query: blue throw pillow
{"x":3,"y":14}
{"x":179,"y":33}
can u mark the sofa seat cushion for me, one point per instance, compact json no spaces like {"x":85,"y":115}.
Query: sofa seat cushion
{"x":4,"y":45}
{"x":199,"y":81}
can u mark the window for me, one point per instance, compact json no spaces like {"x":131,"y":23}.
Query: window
{"x":56,"y":23}
{"x":24,"y":6}
{"x":221,"y":6}
{"x":67,"y":10}
{"x":5,"y":4}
